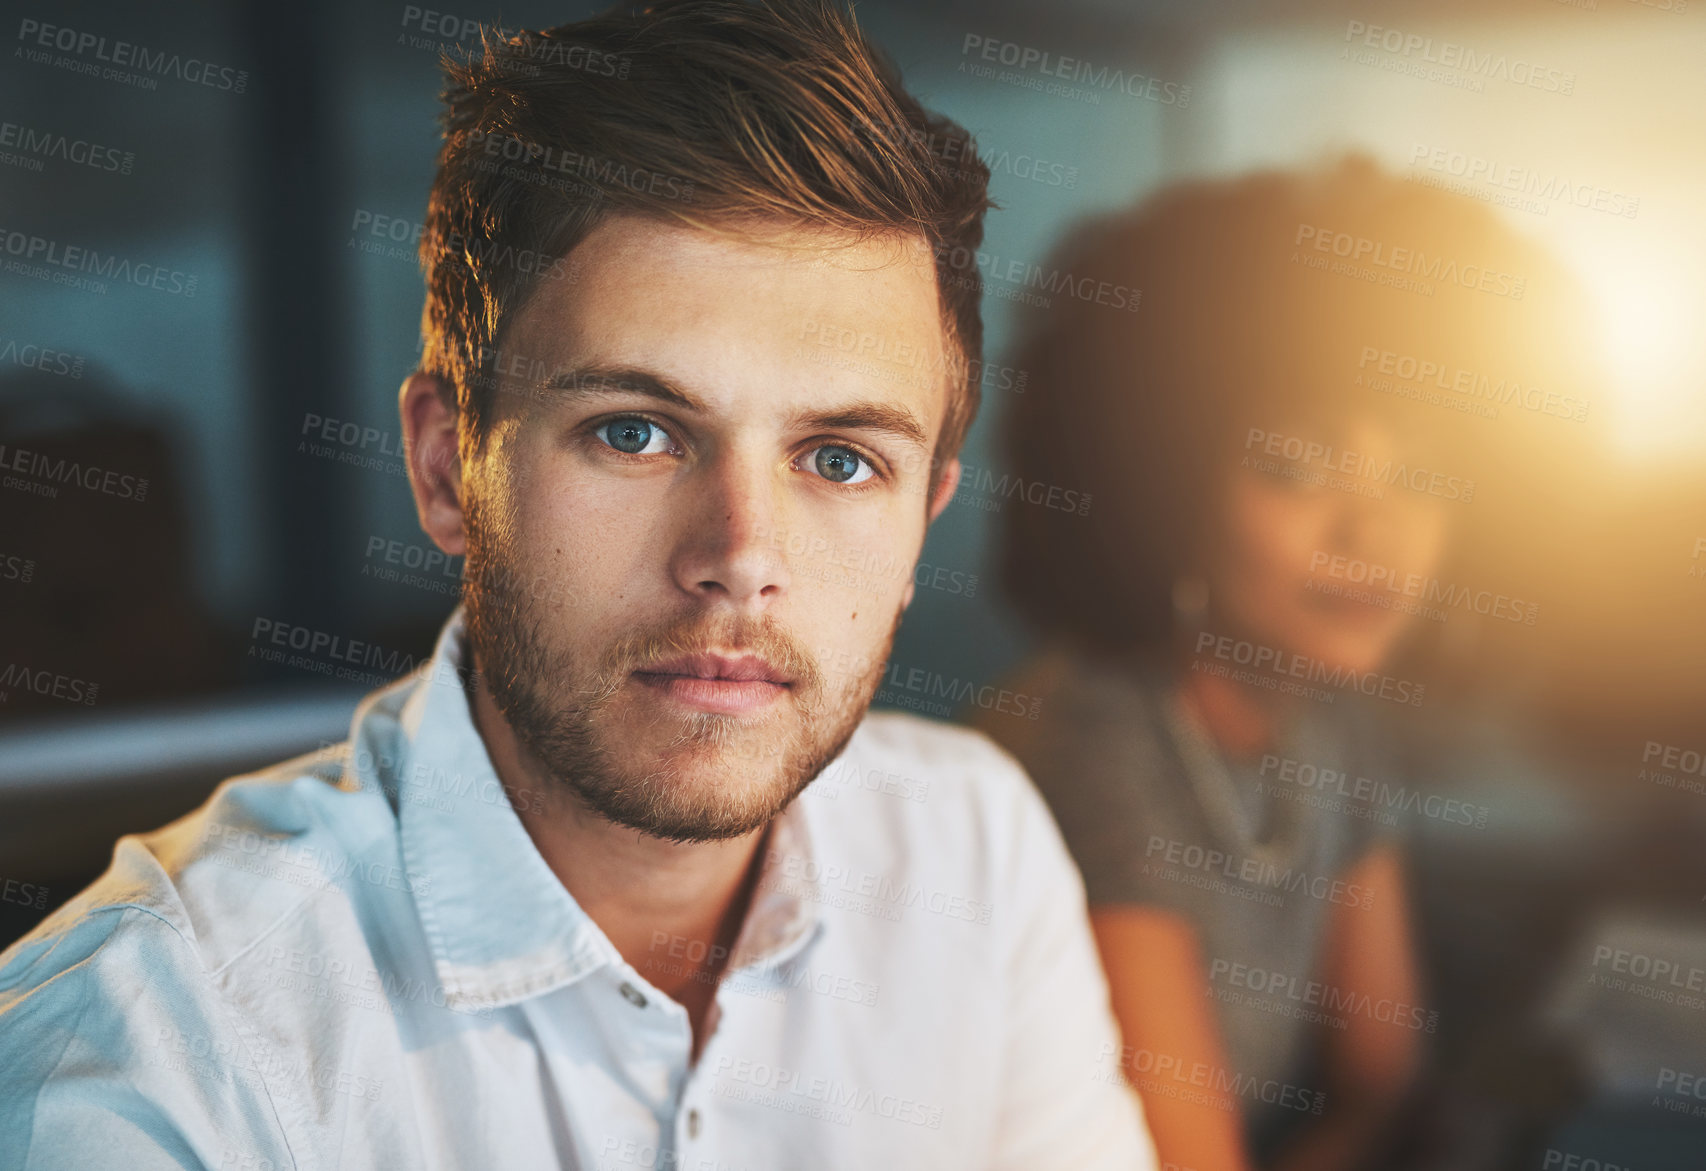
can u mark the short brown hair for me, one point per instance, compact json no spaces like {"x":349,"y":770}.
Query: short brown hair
{"x":703,"y":111}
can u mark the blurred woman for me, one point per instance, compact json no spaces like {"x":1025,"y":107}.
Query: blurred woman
{"x":1295,"y":451}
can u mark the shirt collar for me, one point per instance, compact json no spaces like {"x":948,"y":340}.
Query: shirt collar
{"x":780,"y":920}
{"x":500,"y":925}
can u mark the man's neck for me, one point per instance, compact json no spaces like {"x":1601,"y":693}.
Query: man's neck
{"x":673,"y":910}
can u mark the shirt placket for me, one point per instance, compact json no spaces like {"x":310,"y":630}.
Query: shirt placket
{"x":624,"y":1114}
{"x":788,"y":933}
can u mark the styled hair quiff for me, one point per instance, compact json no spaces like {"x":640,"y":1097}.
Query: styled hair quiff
{"x":708,"y":112}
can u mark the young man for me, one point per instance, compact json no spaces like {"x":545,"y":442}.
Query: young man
{"x":627,"y":876}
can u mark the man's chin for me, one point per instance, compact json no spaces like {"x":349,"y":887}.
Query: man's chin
{"x":713,"y":805}
{"x":695,"y":778}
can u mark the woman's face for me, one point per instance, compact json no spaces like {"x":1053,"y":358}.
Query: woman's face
{"x":1328,"y":538}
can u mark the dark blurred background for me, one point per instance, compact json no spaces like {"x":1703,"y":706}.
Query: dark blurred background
{"x":209,"y":296}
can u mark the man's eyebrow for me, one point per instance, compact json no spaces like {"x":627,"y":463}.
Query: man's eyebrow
{"x":866,"y":416}
{"x":860,"y":416}
{"x":589,"y":380}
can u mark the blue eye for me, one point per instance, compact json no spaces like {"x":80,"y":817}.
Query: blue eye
{"x":633,"y":435}
{"x":841,"y":465}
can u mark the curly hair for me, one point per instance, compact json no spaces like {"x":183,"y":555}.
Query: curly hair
{"x":1270,"y":297}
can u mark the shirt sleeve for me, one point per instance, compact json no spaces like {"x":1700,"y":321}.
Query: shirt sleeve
{"x":1063,"y":1101}
{"x":117,"y":1050}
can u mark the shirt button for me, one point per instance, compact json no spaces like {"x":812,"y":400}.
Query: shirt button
{"x":633,"y":995}
{"x":693,"y":1124}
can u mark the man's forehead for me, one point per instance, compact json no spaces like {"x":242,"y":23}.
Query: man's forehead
{"x":769,"y":304}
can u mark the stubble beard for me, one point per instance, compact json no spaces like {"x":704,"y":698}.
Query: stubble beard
{"x":714,"y":776}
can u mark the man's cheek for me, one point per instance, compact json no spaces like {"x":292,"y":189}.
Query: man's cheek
{"x":595,"y":545}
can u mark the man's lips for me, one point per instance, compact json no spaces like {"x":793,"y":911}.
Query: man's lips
{"x":730,"y":685}
{"x":730,"y":668}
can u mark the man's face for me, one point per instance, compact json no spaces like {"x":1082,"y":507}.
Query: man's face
{"x":687,"y":560}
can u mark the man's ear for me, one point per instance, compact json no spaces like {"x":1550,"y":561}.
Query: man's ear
{"x":940,"y":494}
{"x":946,"y":483}
{"x":428,"y":407}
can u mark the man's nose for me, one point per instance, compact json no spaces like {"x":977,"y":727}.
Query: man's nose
{"x":732,"y":537}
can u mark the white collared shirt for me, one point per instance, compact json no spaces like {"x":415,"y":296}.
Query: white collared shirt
{"x":358,"y":959}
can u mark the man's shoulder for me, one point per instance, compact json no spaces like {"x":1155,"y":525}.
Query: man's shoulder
{"x":205,"y":887}
{"x":110,"y":999}
{"x":94,"y":969}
